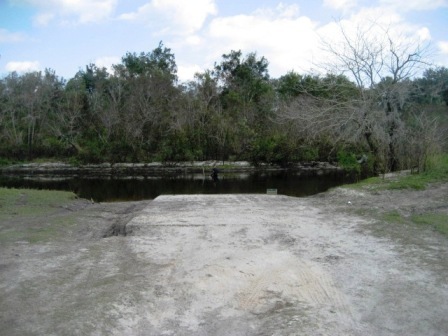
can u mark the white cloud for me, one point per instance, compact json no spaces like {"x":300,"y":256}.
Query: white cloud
{"x":443,"y":47}
{"x":375,"y":22}
{"x":107,"y":62}
{"x":72,"y":11}
{"x":286,"y":39}
{"x":281,"y":11}
{"x":423,"y":34}
{"x":442,"y":57}
{"x":378,"y":15}
{"x":417,"y":5}
{"x":193,"y":40}
{"x":26,"y":66}
{"x":142,"y":13}
{"x":10,"y":37}
{"x":291,"y":41}
{"x":173,"y":16}
{"x":340,"y":4}
{"x":187,"y":72}
{"x":43,"y":19}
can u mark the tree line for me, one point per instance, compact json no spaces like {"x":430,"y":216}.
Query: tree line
{"x":367,"y":108}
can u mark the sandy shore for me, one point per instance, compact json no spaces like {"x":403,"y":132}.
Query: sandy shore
{"x":230,"y":265}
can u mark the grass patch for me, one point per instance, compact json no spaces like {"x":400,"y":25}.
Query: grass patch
{"x":43,"y":230}
{"x":34,"y":235}
{"x":18,"y":198}
{"x":434,"y":220}
{"x":5,"y":162}
{"x":416,"y":182}
{"x":51,"y":230}
{"x":437,"y":221}
{"x":437,"y":171}
{"x":32,"y":215}
{"x":393,"y":217}
{"x":373,"y":183}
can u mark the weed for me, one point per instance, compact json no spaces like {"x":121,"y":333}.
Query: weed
{"x":437,"y":172}
{"x":31,"y":215}
{"x":438,"y":221}
{"x":4,"y":162}
{"x":393,"y":217}
{"x":348,"y":161}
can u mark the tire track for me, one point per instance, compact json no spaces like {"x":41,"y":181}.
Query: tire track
{"x":295,"y":281}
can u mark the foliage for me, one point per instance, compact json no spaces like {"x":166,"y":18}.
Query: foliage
{"x":437,"y":171}
{"x":308,"y":153}
{"x":246,"y":90}
{"x":348,"y":161}
{"x":432,"y":87}
{"x":330,"y":86}
{"x":277,"y":149}
{"x":160,"y":60}
{"x":92,"y":151}
{"x":139,"y":112}
{"x":177,"y":147}
{"x":4,"y":162}
{"x":438,"y":221}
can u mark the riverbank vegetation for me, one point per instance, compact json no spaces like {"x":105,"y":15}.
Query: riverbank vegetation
{"x":379,"y":107}
{"x":407,"y":198}
{"x":436,"y":172}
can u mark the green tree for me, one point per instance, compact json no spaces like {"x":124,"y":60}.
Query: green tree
{"x":289,"y":86}
{"x":331,"y":86}
{"x":161,"y":60}
{"x":246,"y":97}
{"x":200,"y":115}
{"x":147,"y":115}
{"x":28,"y":103}
{"x":432,"y":87}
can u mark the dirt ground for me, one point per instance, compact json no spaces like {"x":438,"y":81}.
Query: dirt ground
{"x":230,"y":265}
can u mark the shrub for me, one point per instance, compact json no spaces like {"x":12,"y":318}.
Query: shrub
{"x":348,"y":161}
{"x":308,"y":153}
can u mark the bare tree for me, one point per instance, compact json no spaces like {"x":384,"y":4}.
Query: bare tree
{"x":372,"y":53}
{"x":424,"y":137}
{"x":381,"y":66}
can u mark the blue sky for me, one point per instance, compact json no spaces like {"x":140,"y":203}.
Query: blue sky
{"x":66,"y":35}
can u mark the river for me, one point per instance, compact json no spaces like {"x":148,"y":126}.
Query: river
{"x":110,"y":189}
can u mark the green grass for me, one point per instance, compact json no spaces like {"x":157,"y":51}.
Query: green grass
{"x":393,"y":217}
{"x":437,"y":172}
{"x":438,"y":221}
{"x":435,"y":220}
{"x":34,"y":198}
{"x":4,"y":162}
{"x":32,"y":215}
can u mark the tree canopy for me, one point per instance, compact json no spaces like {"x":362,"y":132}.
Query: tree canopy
{"x":369,"y":103}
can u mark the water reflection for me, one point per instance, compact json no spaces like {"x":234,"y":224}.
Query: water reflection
{"x":141,"y":188}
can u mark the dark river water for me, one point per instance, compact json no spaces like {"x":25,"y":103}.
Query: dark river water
{"x":132,"y":189}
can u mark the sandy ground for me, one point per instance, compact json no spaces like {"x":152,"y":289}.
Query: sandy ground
{"x":232,"y":265}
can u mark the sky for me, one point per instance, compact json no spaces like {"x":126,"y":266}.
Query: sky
{"x":67,"y":35}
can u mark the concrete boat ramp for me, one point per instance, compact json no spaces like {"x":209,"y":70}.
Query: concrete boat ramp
{"x":236,"y":265}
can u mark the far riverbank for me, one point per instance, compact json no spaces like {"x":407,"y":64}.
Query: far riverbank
{"x":55,"y":169}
